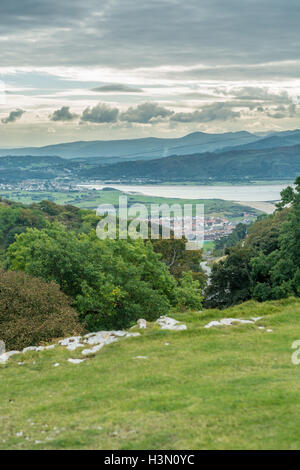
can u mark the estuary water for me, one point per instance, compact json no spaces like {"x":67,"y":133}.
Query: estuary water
{"x":255,"y":193}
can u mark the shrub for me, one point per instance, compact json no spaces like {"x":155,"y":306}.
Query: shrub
{"x":189,"y":294}
{"x":32,"y":310}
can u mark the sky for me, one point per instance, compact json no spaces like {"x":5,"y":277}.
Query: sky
{"x":116,"y":69}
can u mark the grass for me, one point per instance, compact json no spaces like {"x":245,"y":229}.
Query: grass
{"x":220,"y":388}
{"x":93,"y":198}
{"x":209,"y":245}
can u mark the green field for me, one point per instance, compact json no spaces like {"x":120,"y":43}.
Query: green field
{"x":208,"y":246}
{"x":93,"y":198}
{"x":231,"y":387}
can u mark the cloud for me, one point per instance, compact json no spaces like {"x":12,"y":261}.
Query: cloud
{"x":213,"y":112}
{"x":281,"y":112}
{"x":63,"y":114}
{"x":119,"y":88}
{"x":134,"y":33}
{"x":100,"y":114}
{"x":13,"y":116}
{"x":260,"y":94}
{"x":145,"y":113}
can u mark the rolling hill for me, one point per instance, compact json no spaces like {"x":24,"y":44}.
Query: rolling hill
{"x":233,"y":165}
{"x":281,"y":139}
{"x":138,"y":149}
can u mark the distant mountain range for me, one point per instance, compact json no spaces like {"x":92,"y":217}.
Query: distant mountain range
{"x":232,"y":166}
{"x":282,"y":139}
{"x":138,"y":149}
{"x":198,"y":157}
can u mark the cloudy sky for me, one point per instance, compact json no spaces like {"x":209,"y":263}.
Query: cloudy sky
{"x":110,"y":69}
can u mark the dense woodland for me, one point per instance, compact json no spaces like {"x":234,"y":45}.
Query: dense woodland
{"x":266,"y":264}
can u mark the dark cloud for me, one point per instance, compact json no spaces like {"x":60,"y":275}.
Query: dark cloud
{"x":117,"y":88}
{"x":100,"y":114}
{"x":214,"y":112}
{"x":13,"y":116}
{"x":260,"y":94}
{"x":227,"y":72}
{"x":134,"y":33}
{"x":145,"y":113}
{"x":63,"y":114}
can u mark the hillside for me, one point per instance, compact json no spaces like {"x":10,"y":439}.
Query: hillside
{"x":135,"y":149}
{"x":233,"y":165}
{"x":228,"y":387}
{"x":282,"y":139}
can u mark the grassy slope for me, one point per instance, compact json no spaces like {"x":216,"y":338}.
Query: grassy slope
{"x":220,"y":388}
{"x":92,"y":199}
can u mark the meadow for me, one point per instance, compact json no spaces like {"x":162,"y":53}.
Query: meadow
{"x":91,"y":199}
{"x":228,"y":387}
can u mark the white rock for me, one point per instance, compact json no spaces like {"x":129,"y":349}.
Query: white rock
{"x":93,"y":350}
{"x":71,"y":343}
{"x":97,"y":340}
{"x":141,"y":357}
{"x":167,"y":323}
{"x":5,"y":356}
{"x":269,"y":331}
{"x":56,"y":364}
{"x":230,"y":321}
{"x":76,"y":361}
{"x":33,"y":348}
{"x":142,"y":324}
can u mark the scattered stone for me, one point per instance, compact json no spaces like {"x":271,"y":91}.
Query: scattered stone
{"x":167,"y":323}
{"x":33,"y":348}
{"x":19,"y":434}
{"x":5,"y":356}
{"x":93,"y":350}
{"x":141,"y":357}
{"x":71,"y":343}
{"x":142,"y":324}
{"x":56,"y":364}
{"x":230,"y":321}
{"x":97,"y":340}
{"x":76,"y":361}
{"x":167,"y":344}
{"x":269,"y":331}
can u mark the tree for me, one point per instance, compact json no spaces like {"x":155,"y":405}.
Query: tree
{"x":230,"y":281}
{"x":112,"y":282}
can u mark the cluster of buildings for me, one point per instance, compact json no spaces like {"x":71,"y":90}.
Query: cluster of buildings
{"x":212,"y":228}
{"x":36,"y":185}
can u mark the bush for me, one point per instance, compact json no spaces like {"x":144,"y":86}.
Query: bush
{"x":32,"y":311}
{"x":189,"y":294}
